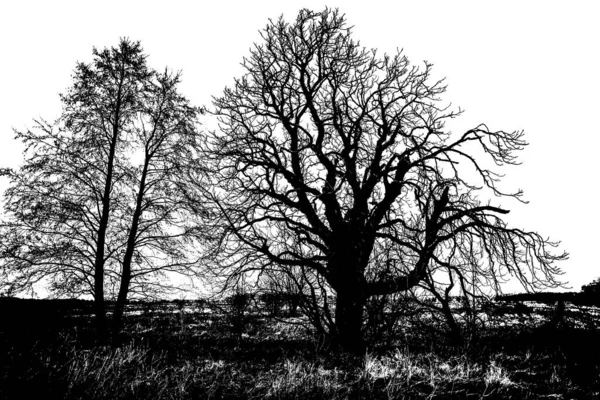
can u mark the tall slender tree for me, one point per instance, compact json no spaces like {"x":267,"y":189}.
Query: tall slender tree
{"x":100,"y":106}
{"x":64,"y":194}
{"x":80,"y":213}
{"x":162,"y":230}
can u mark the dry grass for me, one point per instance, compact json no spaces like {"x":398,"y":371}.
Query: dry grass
{"x":165,"y":358}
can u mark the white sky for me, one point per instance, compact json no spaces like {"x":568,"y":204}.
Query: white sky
{"x":513,"y":65}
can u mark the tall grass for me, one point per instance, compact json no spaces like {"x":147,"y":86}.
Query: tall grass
{"x":138,"y":372}
{"x":166,"y":357}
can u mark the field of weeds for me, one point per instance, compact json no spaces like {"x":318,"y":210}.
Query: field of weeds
{"x":191,"y":350}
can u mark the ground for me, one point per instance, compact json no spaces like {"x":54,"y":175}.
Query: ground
{"x":181,"y":350}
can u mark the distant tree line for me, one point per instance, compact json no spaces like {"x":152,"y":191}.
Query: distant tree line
{"x":589,"y":295}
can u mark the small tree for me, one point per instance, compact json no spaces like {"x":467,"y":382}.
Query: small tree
{"x":280,"y":288}
{"x":238,"y":305}
{"x":592,"y":287}
{"x":327,"y":150}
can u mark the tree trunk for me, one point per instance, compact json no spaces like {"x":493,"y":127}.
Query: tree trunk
{"x":127,"y":259}
{"x":347,"y":266}
{"x":100,"y":315}
{"x":100,"y":307}
{"x":349,"y":310}
{"x":99,"y":304}
{"x":117,"y":323}
{"x":455,"y":332}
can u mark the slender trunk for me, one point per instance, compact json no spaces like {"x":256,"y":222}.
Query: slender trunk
{"x":455,"y":331}
{"x":100,"y":313}
{"x":127,"y":259}
{"x":100,"y":306}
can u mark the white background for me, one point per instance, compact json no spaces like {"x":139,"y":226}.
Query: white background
{"x":514,"y":65}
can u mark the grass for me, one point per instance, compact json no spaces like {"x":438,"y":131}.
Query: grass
{"x":192,"y":355}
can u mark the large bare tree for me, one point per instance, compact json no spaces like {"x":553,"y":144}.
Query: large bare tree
{"x":327,"y":150}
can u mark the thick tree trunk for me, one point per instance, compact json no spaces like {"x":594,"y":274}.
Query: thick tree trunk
{"x":349,"y":311}
{"x":347,"y":267}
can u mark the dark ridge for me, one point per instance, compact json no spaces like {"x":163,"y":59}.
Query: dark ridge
{"x":576,"y":298}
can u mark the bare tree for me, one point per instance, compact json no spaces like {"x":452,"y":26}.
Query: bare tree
{"x":49,"y":235}
{"x":77,"y":166}
{"x":326,"y":149}
{"x":162,"y":230}
{"x":82,"y":212}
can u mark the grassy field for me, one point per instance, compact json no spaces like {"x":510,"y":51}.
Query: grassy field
{"x":187,"y":350}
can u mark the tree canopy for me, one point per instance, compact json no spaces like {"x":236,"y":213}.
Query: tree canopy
{"x":333,"y":159}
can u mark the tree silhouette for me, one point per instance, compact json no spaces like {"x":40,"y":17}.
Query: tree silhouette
{"x":50,"y":234}
{"x":327,"y":150}
{"x":81,"y":213}
{"x":163,"y":229}
{"x":65,"y":192}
